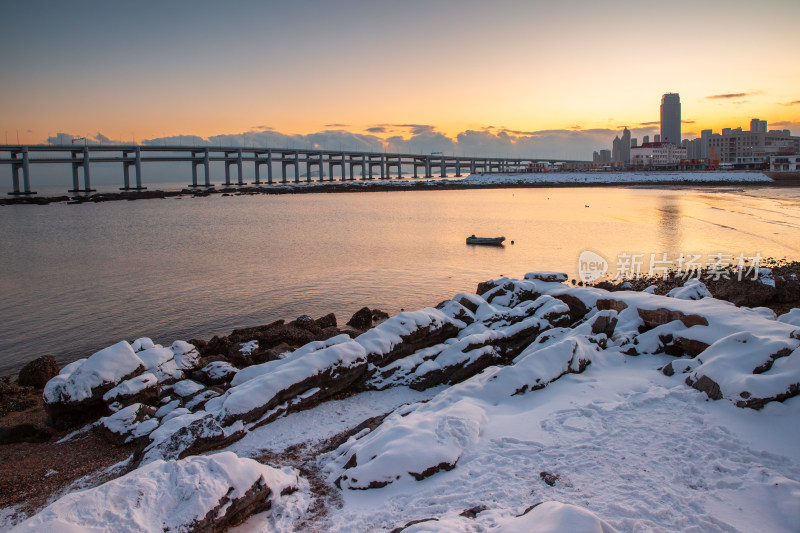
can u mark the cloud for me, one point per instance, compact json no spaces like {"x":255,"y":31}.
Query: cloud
{"x":725,"y":96}
{"x":653,"y":123}
{"x":796,"y":102}
{"x":687,"y":121}
{"x":337,"y":125}
{"x":486,"y":141}
{"x":731,"y":96}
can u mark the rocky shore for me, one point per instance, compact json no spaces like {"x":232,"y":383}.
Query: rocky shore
{"x":139,"y":411}
{"x":510,"y":182}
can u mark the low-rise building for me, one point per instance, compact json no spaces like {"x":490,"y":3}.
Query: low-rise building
{"x":750,"y":149}
{"x":657,"y":155}
{"x":784,"y":163}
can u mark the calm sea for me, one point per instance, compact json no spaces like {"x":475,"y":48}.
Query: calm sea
{"x":76,"y":278}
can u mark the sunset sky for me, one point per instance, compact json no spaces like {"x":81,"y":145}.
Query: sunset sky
{"x":541,"y":76}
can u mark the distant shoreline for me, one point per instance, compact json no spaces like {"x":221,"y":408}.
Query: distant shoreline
{"x":379,"y":186}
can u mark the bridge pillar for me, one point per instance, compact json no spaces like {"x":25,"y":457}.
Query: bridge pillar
{"x":458,"y":167}
{"x":428,"y":167}
{"x":364,"y":167}
{"x":194,"y":174}
{"x":26,"y":182}
{"x":138,"y":166}
{"x":256,"y":164}
{"x":227,"y":170}
{"x":207,"y":168}
{"x":383,"y":167}
{"x":126,"y":165}
{"x":239,"y":168}
{"x":26,"y":173}
{"x":344,"y":175}
{"x":14,"y":176}
{"x":82,"y":162}
{"x":297,"y":167}
{"x":443,"y":173}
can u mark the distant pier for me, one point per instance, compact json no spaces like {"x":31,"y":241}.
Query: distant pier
{"x":270,"y":165}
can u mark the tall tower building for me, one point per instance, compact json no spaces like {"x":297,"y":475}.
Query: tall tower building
{"x":671,"y":118}
{"x":625,"y":148}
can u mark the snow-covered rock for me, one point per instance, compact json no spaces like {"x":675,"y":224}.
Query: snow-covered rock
{"x":792,"y":317}
{"x":555,"y":517}
{"x":187,"y":388}
{"x":203,"y":493}
{"x":187,"y":434}
{"x":124,"y":425}
{"x":545,"y":275}
{"x":693,"y":289}
{"x":216,"y":373}
{"x":143,"y":343}
{"x":102,"y":370}
{"x":142,"y":388}
{"x":72,"y":398}
{"x":186,"y":355}
{"x":748,"y":369}
{"x":424,"y":439}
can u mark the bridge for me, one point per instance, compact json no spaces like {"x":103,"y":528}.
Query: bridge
{"x":355,"y":164}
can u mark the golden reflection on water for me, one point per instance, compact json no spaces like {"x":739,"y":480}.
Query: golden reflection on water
{"x":96,"y":273}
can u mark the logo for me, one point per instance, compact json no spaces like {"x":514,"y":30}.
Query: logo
{"x":591,"y":266}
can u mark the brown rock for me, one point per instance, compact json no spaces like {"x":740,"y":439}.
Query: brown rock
{"x":746,"y":292}
{"x":361,"y":320}
{"x":683,"y":346}
{"x":432,"y":470}
{"x":485,"y":287}
{"x":577,"y":309}
{"x":604,"y":323}
{"x":707,"y":385}
{"x":658,"y":317}
{"x":327,"y":321}
{"x":38,"y":372}
{"x":605,"y":304}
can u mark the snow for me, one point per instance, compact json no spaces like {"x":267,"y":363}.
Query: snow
{"x":546,"y":275}
{"x":130,"y":422}
{"x":616,"y":177}
{"x":629,"y":449}
{"x":108,"y":366}
{"x":732,"y":363}
{"x":382,"y":338}
{"x":187,"y":387}
{"x":160,"y":496}
{"x":143,"y":343}
{"x":131,"y":386}
{"x":186,"y":355}
{"x":693,"y":289}
{"x":248,"y":348}
{"x":155,"y":356}
{"x":792,"y":317}
{"x":258,"y":392}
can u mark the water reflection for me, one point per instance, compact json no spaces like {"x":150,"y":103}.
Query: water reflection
{"x":669,"y":223}
{"x":77,"y":278}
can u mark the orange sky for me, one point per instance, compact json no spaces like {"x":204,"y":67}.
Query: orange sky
{"x":302,"y":67}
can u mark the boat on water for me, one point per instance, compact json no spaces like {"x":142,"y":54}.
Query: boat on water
{"x":495,"y":241}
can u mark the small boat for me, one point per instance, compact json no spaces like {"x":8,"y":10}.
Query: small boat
{"x":496,"y":241}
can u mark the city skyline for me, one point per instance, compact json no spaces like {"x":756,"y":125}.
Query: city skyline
{"x":438,"y":77}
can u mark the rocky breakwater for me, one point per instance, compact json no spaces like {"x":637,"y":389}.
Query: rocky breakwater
{"x":513,"y":338}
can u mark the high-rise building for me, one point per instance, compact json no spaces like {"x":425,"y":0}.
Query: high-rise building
{"x":625,"y":147}
{"x":758,"y":126}
{"x":616,"y":149}
{"x":671,"y":118}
